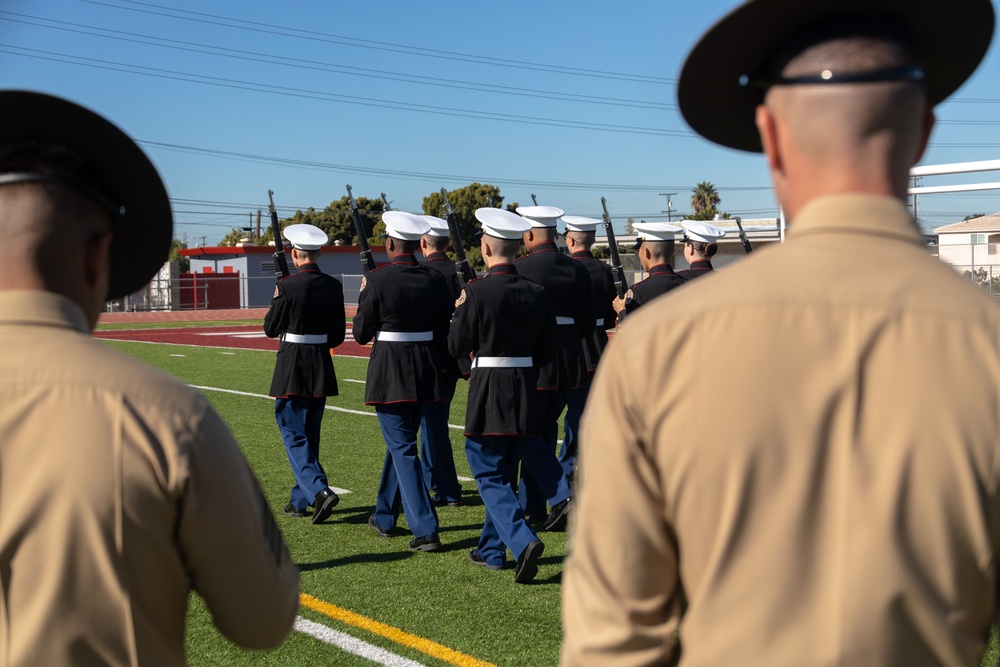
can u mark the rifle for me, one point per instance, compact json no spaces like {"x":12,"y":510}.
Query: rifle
{"x":280,"y":261}
{"x":747,"y":248}
{"x":386,"y":202}
{"x":533,"y":199}
{"x":367,"y":259}
{"x":621,"y":285}
{"x":461,"y":262}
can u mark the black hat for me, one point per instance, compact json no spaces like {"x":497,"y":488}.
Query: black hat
{"x":950,"y":37}
{"x":121,"y":171}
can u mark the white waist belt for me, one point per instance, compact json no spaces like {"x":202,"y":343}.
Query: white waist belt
{"x":405,"y":336}
{"x":501,"y":362}
{"x":305,"y":339}
{"x":564,"y":320}
{"x":599,"y":322}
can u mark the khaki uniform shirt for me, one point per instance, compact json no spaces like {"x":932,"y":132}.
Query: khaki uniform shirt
{"x":794,"y":462}
{"x":120,"y":491}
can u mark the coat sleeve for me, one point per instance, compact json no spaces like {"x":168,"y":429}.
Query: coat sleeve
{"x":338,"y":318}
{"x":463,"y":336}
{"x":367,"y":320}
{"x":547,"y":346}
{"x":621,"y":593}
{"x":585,"y":318}
{"x":233,"y":550}
{"x":276,"y":319}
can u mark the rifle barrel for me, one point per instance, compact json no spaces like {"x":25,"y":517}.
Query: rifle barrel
{"x":621,"y":285}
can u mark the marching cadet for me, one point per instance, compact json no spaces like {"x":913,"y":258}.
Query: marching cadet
{"x":700,"y":245}
{"x":655,"y":247}
{"x":567,"y":284}
{"x":406,"y":308}
{"x":436,"y":456}
{"x":507,"y":322}
{"x":307,"y":312}
{"x":580,"y":235}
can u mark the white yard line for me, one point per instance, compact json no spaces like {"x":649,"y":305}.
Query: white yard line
{"x":353,"y":645}
{"x":334,"y":408}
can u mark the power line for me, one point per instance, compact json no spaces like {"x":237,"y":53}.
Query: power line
{"x":286,"y":91}
{"x":299,"y":63}
{"x":424,"y":176}
{"x":300,"y":33}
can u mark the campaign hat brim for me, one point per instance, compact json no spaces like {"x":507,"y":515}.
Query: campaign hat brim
{"x":951,"y":39}
{"x":142,"y":237}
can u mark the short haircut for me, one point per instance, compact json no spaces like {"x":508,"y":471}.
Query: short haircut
{"x":407,"y":247}
{"x":659,"y":249}
{"x":506,"y":248}
{"x":583,"y":238}
{"x":436,"y":242}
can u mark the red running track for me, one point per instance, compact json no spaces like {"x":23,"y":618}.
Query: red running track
{"x":245,"y":337}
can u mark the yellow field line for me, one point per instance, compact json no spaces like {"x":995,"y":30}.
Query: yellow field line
{"x":425,"y":646}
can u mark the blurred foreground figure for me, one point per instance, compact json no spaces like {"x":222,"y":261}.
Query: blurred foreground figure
{"x":793,"y":463}
{"x":121,"y":490}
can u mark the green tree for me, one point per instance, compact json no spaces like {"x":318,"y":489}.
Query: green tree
{"x":704,"y":201}
{"x":629,"y":227}
{"x":183,"y":263}
{"x":335,"y":220}
{"x":973,"y":216}
{"x":464,"y":202}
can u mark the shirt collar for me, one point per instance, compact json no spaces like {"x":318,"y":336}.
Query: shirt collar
{"x":508,"y":269}
{"x":548,"y":246}
{"x":41,"y":308}
{"x":855,"y":213}
{"x":661,"y":268}
{"x":404,"y":259}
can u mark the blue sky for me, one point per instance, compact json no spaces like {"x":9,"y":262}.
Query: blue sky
{"x":569,"y":101}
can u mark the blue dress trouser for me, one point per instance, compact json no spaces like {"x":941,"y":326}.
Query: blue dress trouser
{"x":299,"y":419}
{"x":402,"y":483}
{"x":494,"y":462}
{"x":542,"y":478}
{"x":436,"y":457}
{"x":576,"y":400}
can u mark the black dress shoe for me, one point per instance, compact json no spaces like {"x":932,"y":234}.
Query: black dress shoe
{"x":426,"y":543}
{"x":438,"y":501}
{"x":325,"y":501}
{"x":559,"y":515}
{"x":527,"y":562}
{"x":381,"y":533}
{"x":292,"y":510}
{"x":478,"y":560}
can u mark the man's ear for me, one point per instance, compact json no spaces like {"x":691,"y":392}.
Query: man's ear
{"x":97,"y":259}
{"x":768,"y":130}
{"x":390,"y":244}
{"x":928,"y":121}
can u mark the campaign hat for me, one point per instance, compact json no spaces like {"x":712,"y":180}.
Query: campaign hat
{"x":715,"y":92}
{"x":540,"y":216}
{"x":305,"y":237}
{"x":404,"y":226}
{"x":119,"y":176}
{"x":501,"y":223}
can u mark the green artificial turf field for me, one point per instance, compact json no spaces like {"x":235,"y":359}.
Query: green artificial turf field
{"x":441,"y":597}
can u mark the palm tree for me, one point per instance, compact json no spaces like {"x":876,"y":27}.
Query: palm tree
{"x":704,"y":201}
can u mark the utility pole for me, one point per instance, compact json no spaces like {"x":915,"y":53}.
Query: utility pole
{"x":915,"y":179}
{"x":258,"y":226}
{"x":670,"y":206}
